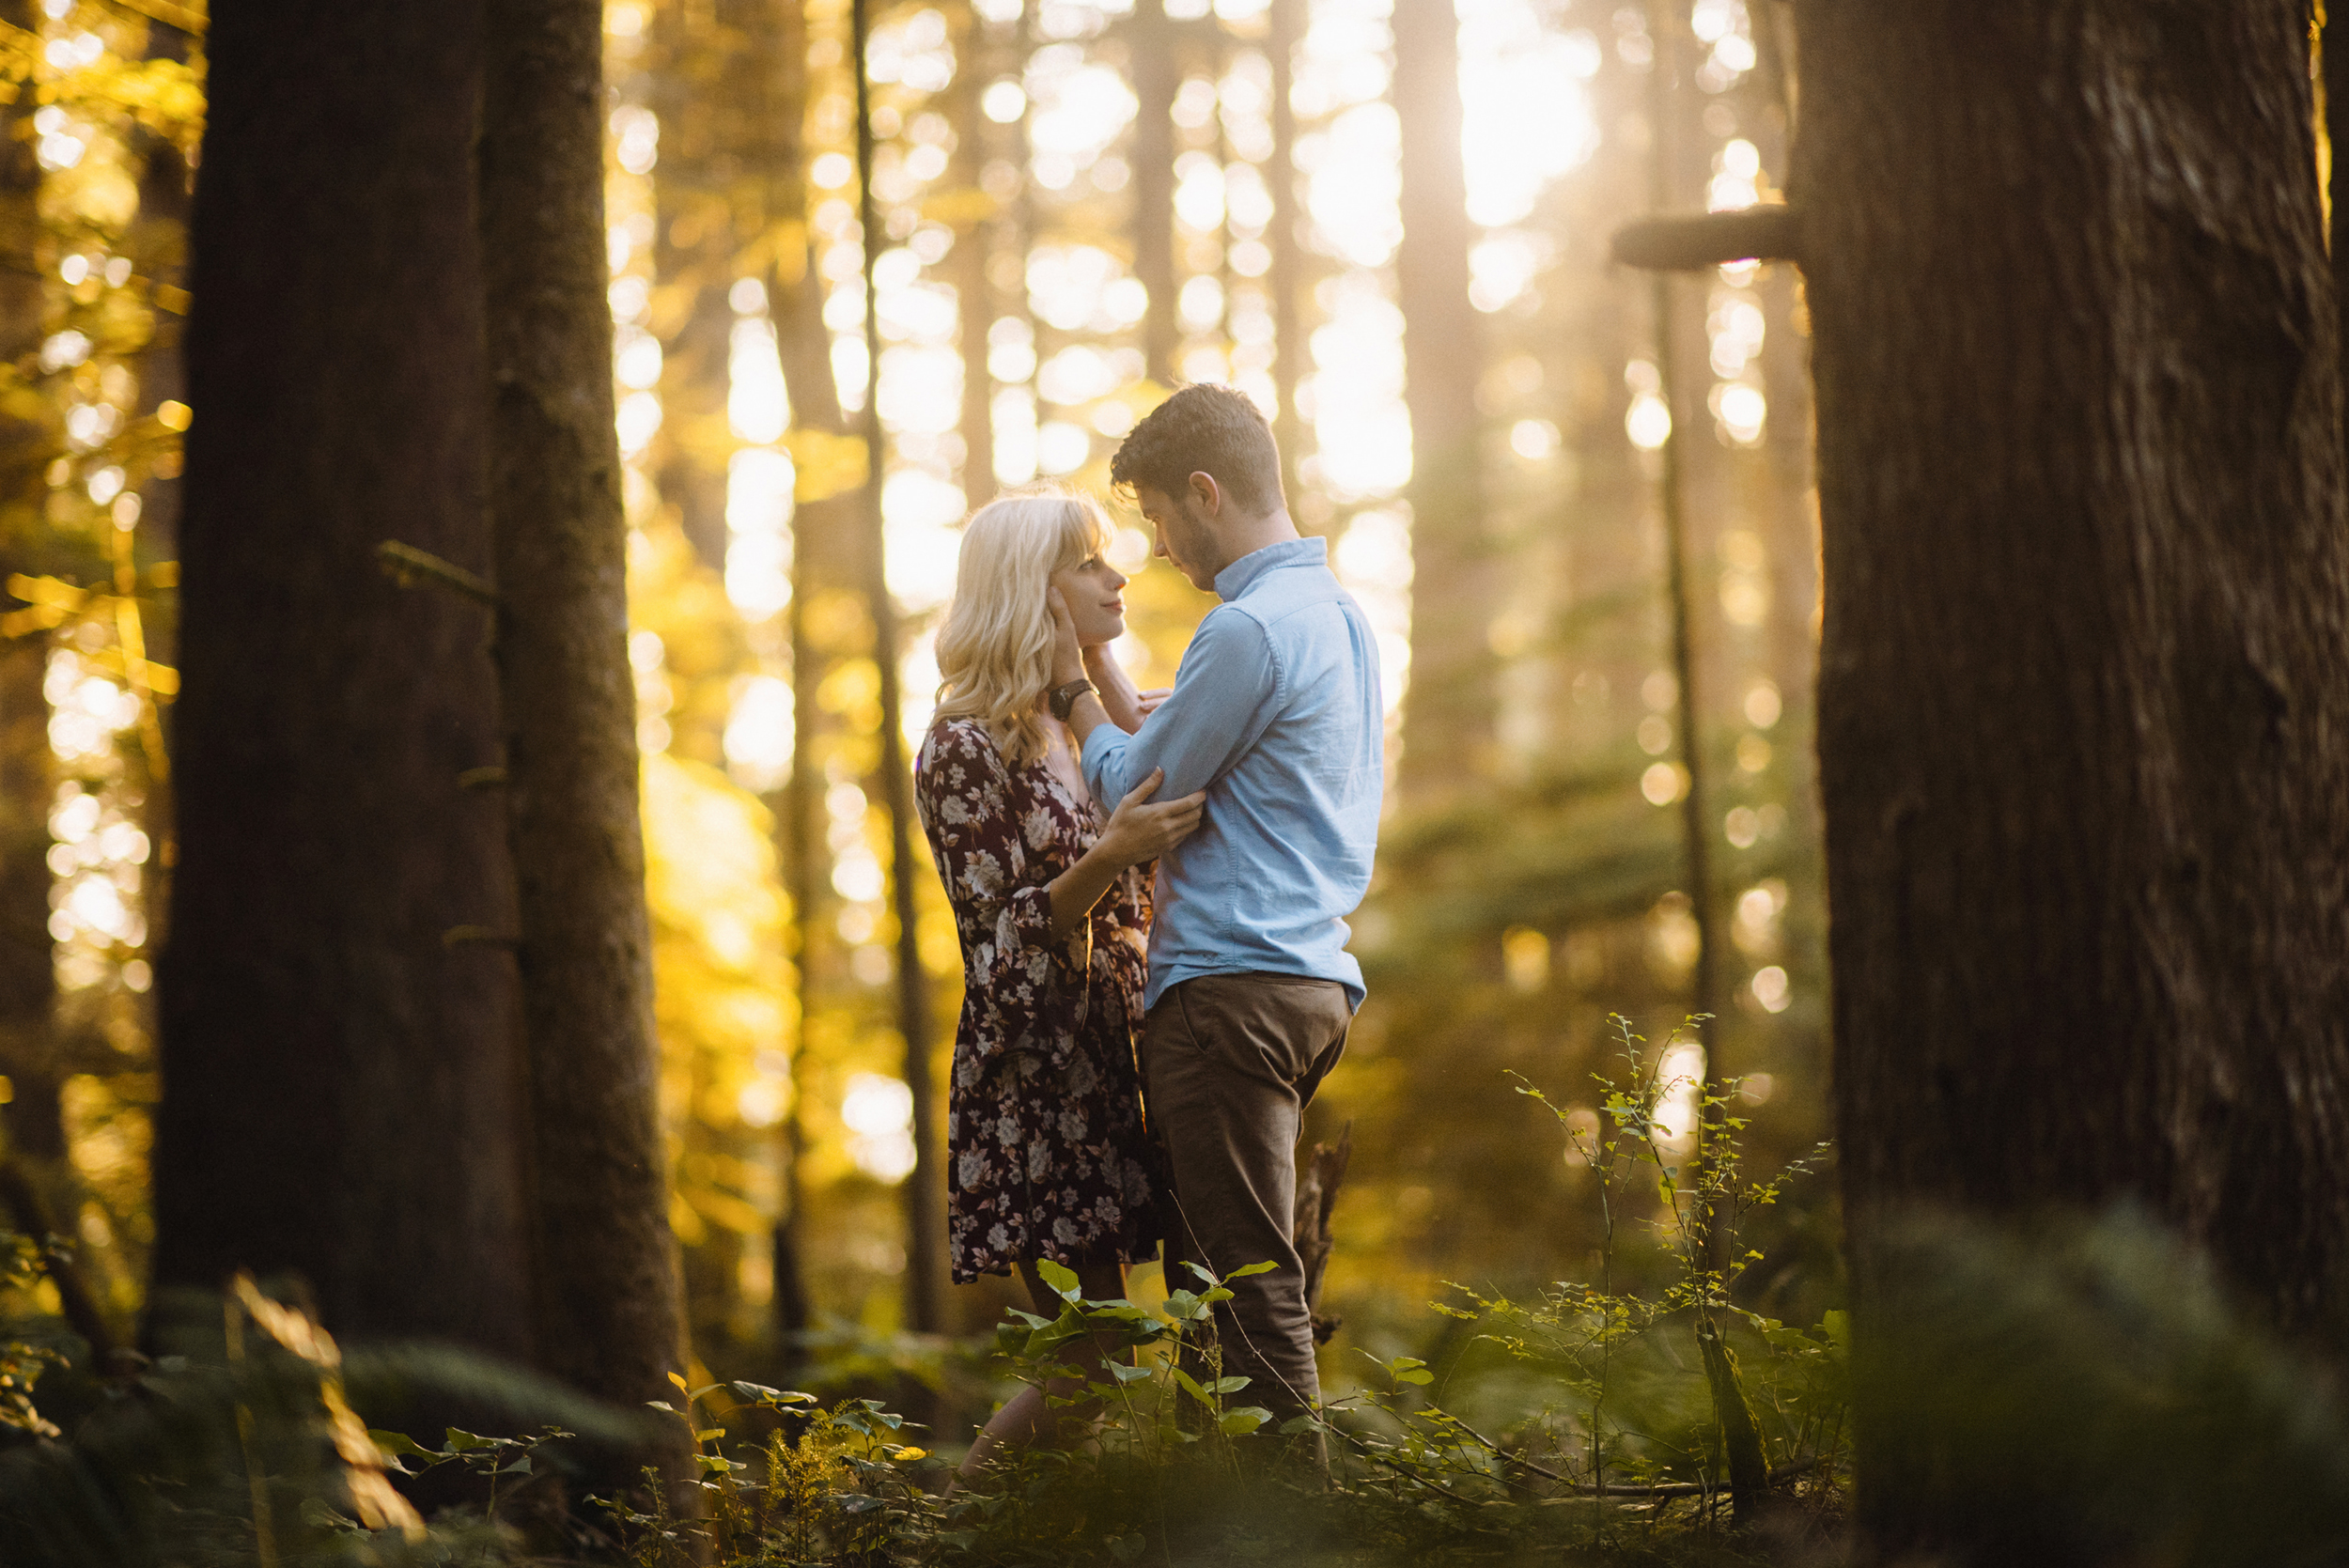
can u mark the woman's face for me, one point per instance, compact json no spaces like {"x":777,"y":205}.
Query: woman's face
{"x":1091,"y":589}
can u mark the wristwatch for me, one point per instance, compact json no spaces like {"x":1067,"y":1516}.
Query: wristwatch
{"x":1062,"y":700}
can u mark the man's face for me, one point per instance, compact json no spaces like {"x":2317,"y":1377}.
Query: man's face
{"x":1183,"y":533}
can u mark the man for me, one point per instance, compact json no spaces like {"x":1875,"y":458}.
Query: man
{"x":1276,"y":714}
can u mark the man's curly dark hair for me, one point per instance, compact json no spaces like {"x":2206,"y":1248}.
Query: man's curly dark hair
{"x":1208,"y":429}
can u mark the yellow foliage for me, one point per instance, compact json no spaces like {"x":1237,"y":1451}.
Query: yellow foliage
{"x":826,"y":465}
{"x":724,"y":997}
{"x":965,"y":208}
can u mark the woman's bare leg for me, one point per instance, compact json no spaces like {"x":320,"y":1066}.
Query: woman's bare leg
{"x":1028,"y":1420}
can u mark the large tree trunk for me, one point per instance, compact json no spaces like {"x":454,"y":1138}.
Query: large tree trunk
{"x":1448,"y":716}
{"x":339,"y":1079}
{"x":605,"y":1267}
{"x":2083,"y":734}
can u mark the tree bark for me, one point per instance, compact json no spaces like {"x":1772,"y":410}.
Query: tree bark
{"x":926,"y":1185}
{"x":34,"y":1118}
{"x":794,"y":305}
{"x":1157,"y":72}
{"x":1285,"y":278}
{"x":2084,"y":742}
{"x":605,"y":1267}
{"x":1448,"y":716}
{"x":695,"y":93}
{"x":341,"y":1080}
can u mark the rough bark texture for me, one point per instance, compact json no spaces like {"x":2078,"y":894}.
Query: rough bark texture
{"x":339,"y":1080}
{"x":606,"y":1296}
{"x":2083,"y":734}
{"x":1448,"y":718}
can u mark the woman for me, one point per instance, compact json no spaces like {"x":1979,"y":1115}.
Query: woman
{"x":1047,"y":1154}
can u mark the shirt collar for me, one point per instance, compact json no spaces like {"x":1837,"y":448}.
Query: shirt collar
{"x":1234,"y":579}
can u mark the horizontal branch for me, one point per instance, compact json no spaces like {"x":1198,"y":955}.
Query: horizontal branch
{"x":407,"y":565}
{"x":1694,"y":242}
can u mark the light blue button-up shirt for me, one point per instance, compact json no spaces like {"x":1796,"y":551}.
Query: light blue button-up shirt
{"x":1276,"y":714}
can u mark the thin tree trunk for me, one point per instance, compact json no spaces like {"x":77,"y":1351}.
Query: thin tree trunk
{"x":605,"y":1265}
{"x":342,"y":1078}
{"x":34,"y":1119}
{"x":693,"y":255}
{"x":1448,"y":716}
{"x":1285,"y":278}
{"x":1157,"y":72}
{"x":794,"y":305}
{"x":925,"y":1191}
{"x":2084,"y":743}
{"x":974,"y":294}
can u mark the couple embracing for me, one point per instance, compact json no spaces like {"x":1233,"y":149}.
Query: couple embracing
{"x":1136,"y":1046}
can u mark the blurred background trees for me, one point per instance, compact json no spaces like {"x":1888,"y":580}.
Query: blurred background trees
{"x":1075,"y":204}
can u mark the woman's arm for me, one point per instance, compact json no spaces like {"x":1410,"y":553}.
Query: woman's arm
{"x":1116,"y":688}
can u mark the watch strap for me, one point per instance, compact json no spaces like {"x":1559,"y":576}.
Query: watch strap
{"x":1063,"y":699}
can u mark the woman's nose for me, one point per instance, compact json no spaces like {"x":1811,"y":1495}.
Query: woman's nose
{"x":1117,"y":579}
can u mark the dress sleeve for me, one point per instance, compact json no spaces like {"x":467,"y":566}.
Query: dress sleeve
{"x":1031,"y":990}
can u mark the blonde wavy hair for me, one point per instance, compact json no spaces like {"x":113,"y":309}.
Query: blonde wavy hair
{"x":995,"y":650}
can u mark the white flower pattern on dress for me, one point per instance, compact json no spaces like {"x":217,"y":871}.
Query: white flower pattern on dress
{"x":1048,"y":1155}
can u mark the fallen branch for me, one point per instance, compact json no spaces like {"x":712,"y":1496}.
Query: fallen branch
{"x":1604,"y":1489}
{"x":1691,"y":242}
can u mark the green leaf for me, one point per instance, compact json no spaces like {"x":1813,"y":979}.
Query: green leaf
{"x":1252,"y":1269}
{"x":761,"y":1394}
{"x":465,"y":1442}
{"x":1062,"y":1279}
{"x":1227,"y":1385}
{"x":1131,"y":1375}
{"x":1244,"y":1419}
{"x":1419,"y":1376}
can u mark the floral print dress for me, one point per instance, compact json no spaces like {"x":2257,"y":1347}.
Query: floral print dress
{"x":1047,"y":1152}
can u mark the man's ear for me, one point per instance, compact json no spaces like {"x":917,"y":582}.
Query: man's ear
{"x":1210,"y":494}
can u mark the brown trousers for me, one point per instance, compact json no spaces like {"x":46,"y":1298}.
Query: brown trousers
{"x":1230,"y":1061}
